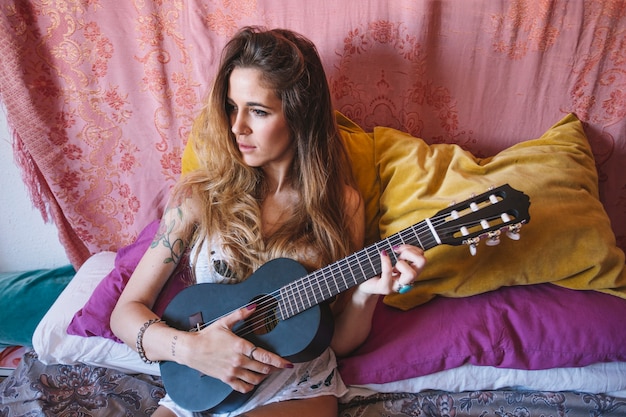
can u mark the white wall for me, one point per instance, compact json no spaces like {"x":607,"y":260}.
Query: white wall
{"x":26,"y":242}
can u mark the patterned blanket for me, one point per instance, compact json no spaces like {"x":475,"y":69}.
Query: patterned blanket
{"x":35,"y":389}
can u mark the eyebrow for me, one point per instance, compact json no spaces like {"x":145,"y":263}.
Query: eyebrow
{"x":255,"y":104}
{"x":251,"y":104}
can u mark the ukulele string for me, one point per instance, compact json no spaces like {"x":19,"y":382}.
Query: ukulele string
{"x":358,"y":260}
{"x":257,"y":321}
{"x":303,"y":287}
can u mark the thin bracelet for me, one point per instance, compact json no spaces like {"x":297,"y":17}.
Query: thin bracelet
{"x":142,"y":353}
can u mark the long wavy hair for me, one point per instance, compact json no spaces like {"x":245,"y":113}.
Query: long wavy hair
{"x":232,"y":192}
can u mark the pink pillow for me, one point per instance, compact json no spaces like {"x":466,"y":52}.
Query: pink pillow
{"x":93,"y":318}
{"x":531,"y":327}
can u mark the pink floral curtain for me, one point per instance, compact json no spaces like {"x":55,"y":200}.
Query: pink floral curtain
{"x":101,"y":95}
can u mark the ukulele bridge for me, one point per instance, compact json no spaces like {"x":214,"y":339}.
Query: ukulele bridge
{"x":195,"y":322}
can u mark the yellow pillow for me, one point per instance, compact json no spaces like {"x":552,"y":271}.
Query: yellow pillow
{"x":190,"y":159}
{"x":360,"y":146}
{"x":568,"y":241}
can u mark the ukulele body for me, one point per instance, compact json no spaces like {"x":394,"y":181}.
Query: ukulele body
{"x":300,"y":338}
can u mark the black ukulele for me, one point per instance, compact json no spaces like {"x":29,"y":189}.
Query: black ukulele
{"x":292,"y":318}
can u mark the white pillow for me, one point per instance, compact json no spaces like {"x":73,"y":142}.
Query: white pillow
{"x":600,"y":378}
{"x":54,"y":346}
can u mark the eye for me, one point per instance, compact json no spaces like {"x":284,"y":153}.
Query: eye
{"x":259,"y":112}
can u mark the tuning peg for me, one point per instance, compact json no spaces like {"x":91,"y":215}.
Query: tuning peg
{"x":513,"y":231}
{"x":513,"y":235}
{"x":473,"y":244}
{"x":494,"y":238}
{"x":470,"y":242}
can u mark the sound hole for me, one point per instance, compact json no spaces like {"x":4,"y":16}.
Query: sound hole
{"x":264,"y":319}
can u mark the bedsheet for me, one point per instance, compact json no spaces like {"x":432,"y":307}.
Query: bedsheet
{"x":35,"y":389}
{"x":504,"y":403}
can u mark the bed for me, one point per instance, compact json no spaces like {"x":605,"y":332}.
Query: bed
{"x":437,"y":101}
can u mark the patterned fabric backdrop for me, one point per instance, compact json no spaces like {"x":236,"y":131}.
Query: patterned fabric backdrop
{"x":100,"y":95}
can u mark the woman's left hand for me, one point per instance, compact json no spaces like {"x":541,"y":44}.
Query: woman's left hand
{"x":353,"y":313}
{"x":409,"y":265}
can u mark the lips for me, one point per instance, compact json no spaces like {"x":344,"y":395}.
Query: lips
{"x":245,"y":148}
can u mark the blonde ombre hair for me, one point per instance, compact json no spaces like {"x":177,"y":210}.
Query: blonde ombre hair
{"x":232,"y":192}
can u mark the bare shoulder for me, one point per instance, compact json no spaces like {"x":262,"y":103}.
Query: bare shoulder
{"x":183,"y":211}
{"x":353,"y":199}
{"x":355,"y":211}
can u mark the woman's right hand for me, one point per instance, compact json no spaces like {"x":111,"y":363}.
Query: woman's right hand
{"x":218,"y":352}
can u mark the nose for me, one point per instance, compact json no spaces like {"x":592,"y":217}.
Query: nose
{"x":238,"y":124}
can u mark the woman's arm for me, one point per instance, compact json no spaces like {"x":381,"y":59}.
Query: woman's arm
{"x":215,"y":351}
{"x":134,"y":306}
{"x":354,"y":309}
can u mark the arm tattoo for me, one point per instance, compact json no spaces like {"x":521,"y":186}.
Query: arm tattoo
{"x":176,"y":247}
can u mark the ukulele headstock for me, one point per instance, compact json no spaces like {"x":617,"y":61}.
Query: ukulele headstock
{"x":483,"y":217}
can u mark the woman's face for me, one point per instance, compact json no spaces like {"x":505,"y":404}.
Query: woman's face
{"x":258,"y":122}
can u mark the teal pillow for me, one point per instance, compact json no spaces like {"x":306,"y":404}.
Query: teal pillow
{"x":26,"y":297}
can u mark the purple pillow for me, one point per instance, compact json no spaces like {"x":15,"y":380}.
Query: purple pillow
{"x":93,"y":318}
{"x":526,"y":327}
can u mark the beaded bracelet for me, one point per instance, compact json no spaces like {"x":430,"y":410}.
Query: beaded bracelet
{"x":139,"y":343}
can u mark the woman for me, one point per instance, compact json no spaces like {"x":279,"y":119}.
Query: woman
{"x":274,"y":182}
